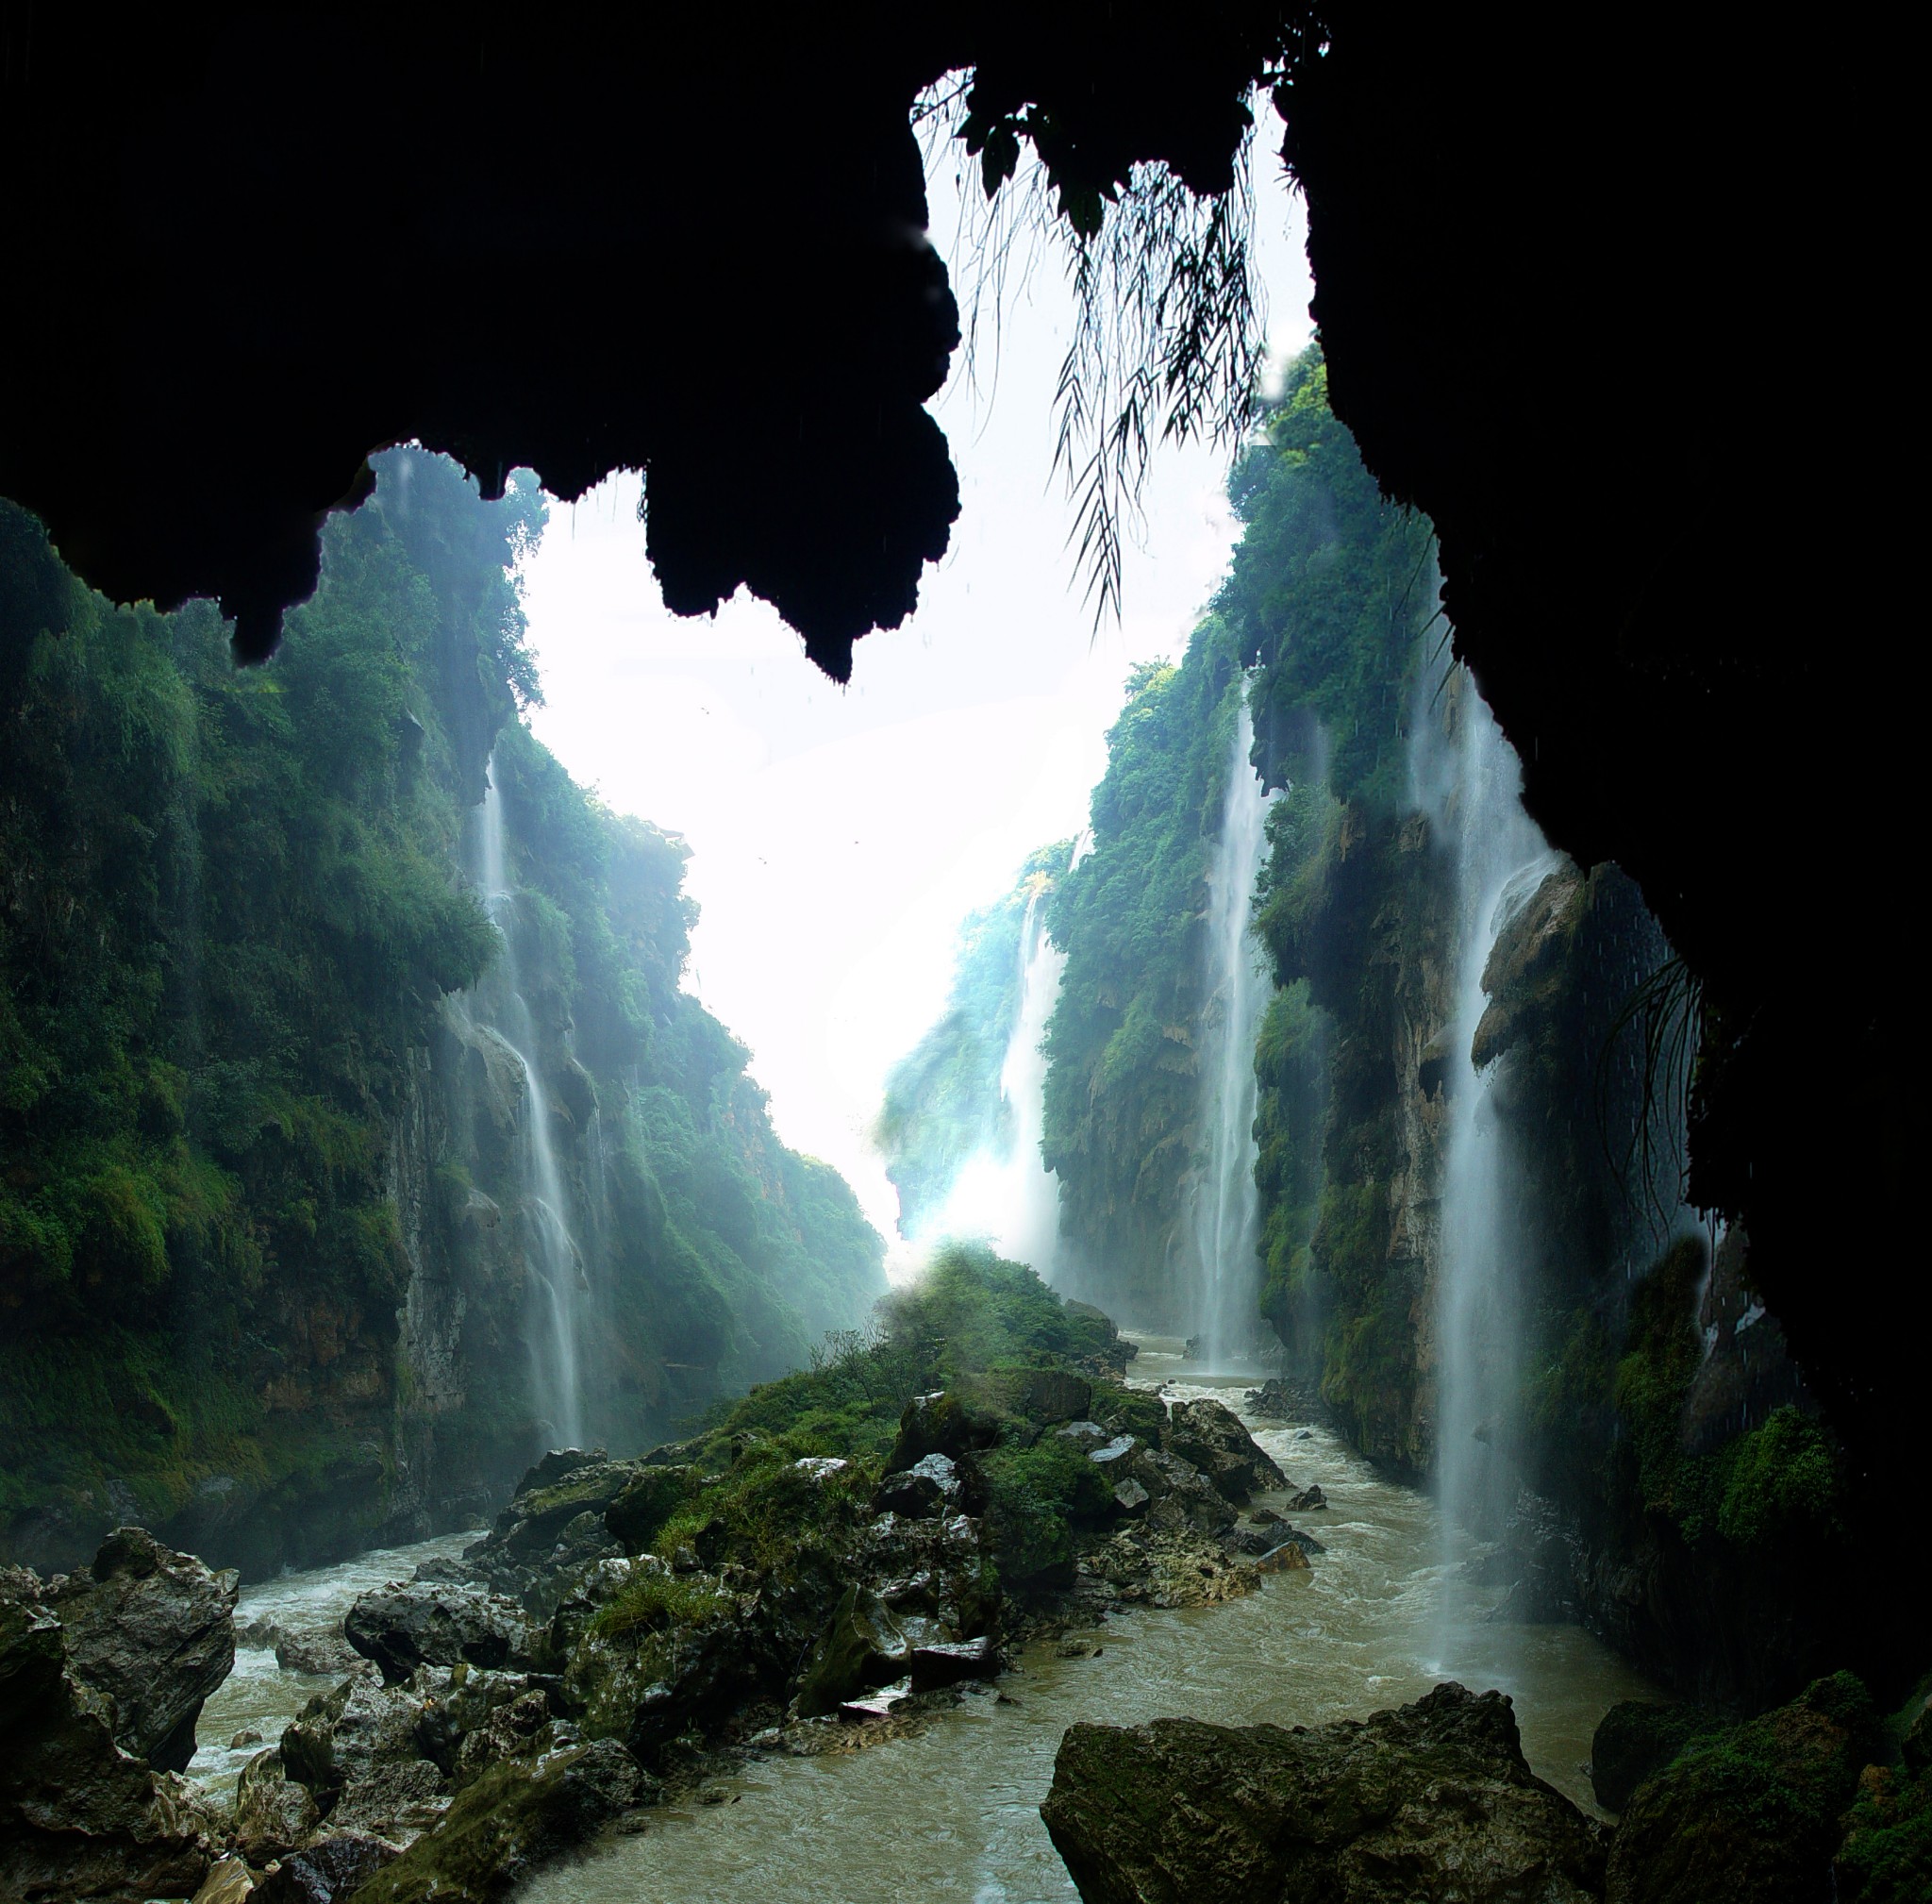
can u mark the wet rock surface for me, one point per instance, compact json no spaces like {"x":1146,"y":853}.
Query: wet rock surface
{"x":435,"y":1622}
{"x":1431,"y":1801}
{"x":152,"y":1633}
{"x":79,"y":1816}
{"x":1752,"y":1813}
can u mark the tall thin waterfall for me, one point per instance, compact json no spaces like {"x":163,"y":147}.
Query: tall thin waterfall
{"x":551,"y":1253}
{"x":1014,"y":1201}
{"x":1226,"y":1219}
{"x":1500,"y":859}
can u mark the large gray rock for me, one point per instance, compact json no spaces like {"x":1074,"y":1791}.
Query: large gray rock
{"x":79,"y":1818}
{"x":436,"y":1622}
{"x":1425,"y":1805}
{"x":273,"y":1814}
{"x":1212,"y":1439}
{"x":153,"y":1633}
{"x":1179,"y":1495}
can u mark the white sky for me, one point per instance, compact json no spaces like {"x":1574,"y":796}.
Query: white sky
{"x":840,"y":835}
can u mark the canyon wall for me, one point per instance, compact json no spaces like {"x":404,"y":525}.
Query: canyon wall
{"x":273,"y":1260}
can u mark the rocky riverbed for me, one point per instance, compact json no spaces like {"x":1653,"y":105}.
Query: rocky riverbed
{"x":636,"y":1644}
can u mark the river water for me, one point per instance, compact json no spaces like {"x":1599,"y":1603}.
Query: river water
{"x":954,"y":1814}
{"x":259,"y":1696}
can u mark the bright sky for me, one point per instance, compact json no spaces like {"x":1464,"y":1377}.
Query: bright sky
{"x":840,"y":835}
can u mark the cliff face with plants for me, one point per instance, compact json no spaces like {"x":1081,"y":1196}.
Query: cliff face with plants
{"x":263,"y":1262}
{"x":1668,"y":1465}
{"x":1122,"y":1085}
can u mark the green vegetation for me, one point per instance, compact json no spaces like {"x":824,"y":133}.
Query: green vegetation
{"x":943,"y":1104}
{"x":973,"y":1325}
{"x":1777,"y":1486}
{"x":230,"y":918}
{"x":1123,"y":1046}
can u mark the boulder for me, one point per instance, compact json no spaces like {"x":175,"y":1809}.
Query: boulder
{"x":1290,"y":1557}
{"x":536,"y":1515}
{"x":517,"y":1815}
{"x":318,"y":1651}
{"x":945,"y":1662}
{"x":435,"y":1622}
{"x":1308,"y":1501}
{"x":1637,"y":1739}
{"x":79,"y":1818}
{"x":1272,"y":1400}
{"x":860,"y":1646}
{"x":1430,"y":1802}
{"x":153,"y":1632}
{"x":932,"y":1486}
{"x":652,"y":1495}
{"x":228,"y":1882}
{"x":333,"y":1868}
{"x":1178,"y":1495}
{"x":940,"y":1424}
{"x":273,"y":1814}
{"x":1211,"y":1438}
{"x":1041,"y":1395}
{"x":1751,"y":1813}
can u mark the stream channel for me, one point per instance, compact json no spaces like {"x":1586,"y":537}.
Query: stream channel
{"x":953,"y":1813}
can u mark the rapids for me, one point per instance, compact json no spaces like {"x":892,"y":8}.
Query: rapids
{"x":259,"y":1696}
{"x":953,"y":1813}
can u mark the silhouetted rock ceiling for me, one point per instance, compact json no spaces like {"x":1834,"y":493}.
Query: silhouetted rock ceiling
{"x":1611,"y":297}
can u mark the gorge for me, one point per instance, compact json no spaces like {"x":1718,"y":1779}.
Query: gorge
{"x":1371,"y":1207}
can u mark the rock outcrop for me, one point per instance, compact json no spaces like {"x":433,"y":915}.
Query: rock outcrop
{"x":151,"y":1632}
{"x":79,"y":1816}
{"x":435,"y":1622}
{"x":1430,"y":1802}
{"x":518,"y":1814}
{"x":1753,"y":1814}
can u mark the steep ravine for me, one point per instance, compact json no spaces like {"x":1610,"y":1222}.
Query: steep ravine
{"x":306,"y":1133}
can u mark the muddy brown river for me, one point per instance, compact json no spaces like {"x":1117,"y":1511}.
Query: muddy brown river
{"x":954,"y":1812}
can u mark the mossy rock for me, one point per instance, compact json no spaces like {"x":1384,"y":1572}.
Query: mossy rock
{"x":859,"y":1648}
{"x":1636,"y":1740}
{"x":940,"y":1424}
{"x":1751,"y":1814}
{"x":1038,"y":1394}
{"x":1127,"y":1411}
{"x":542,"y":1514}
{"x":516,"y":1817}
{"x":648,"y":1501}
{"x":1886,"y":1854}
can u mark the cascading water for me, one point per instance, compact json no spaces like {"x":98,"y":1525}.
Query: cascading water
{"x":1474,"y":791}
{"x":1014,"y":1200}
{"x":1226,"y":1218}
{"x":550,"y":1250}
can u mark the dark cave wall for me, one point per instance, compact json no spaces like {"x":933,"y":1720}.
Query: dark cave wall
{"x":1621,"y":311}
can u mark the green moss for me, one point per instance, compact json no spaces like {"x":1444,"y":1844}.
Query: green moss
{"x":1886,"y":1854}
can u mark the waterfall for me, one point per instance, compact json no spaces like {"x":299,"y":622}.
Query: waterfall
{"x":1013,"y":1200}
{"x":551,"y":1254}
{"x":1224,"y":1218}
{"x":1500,"y":858}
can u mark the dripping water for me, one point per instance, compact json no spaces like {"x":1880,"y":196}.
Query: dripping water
{"x":1226,"y":1213}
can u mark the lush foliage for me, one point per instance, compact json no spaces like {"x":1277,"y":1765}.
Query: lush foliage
{"x":229,"y":910}
{"x":231,"y":914}
{"x":970,"y":1317}
{"x":943,"y":1104}
{"x":1123,"y":1046}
